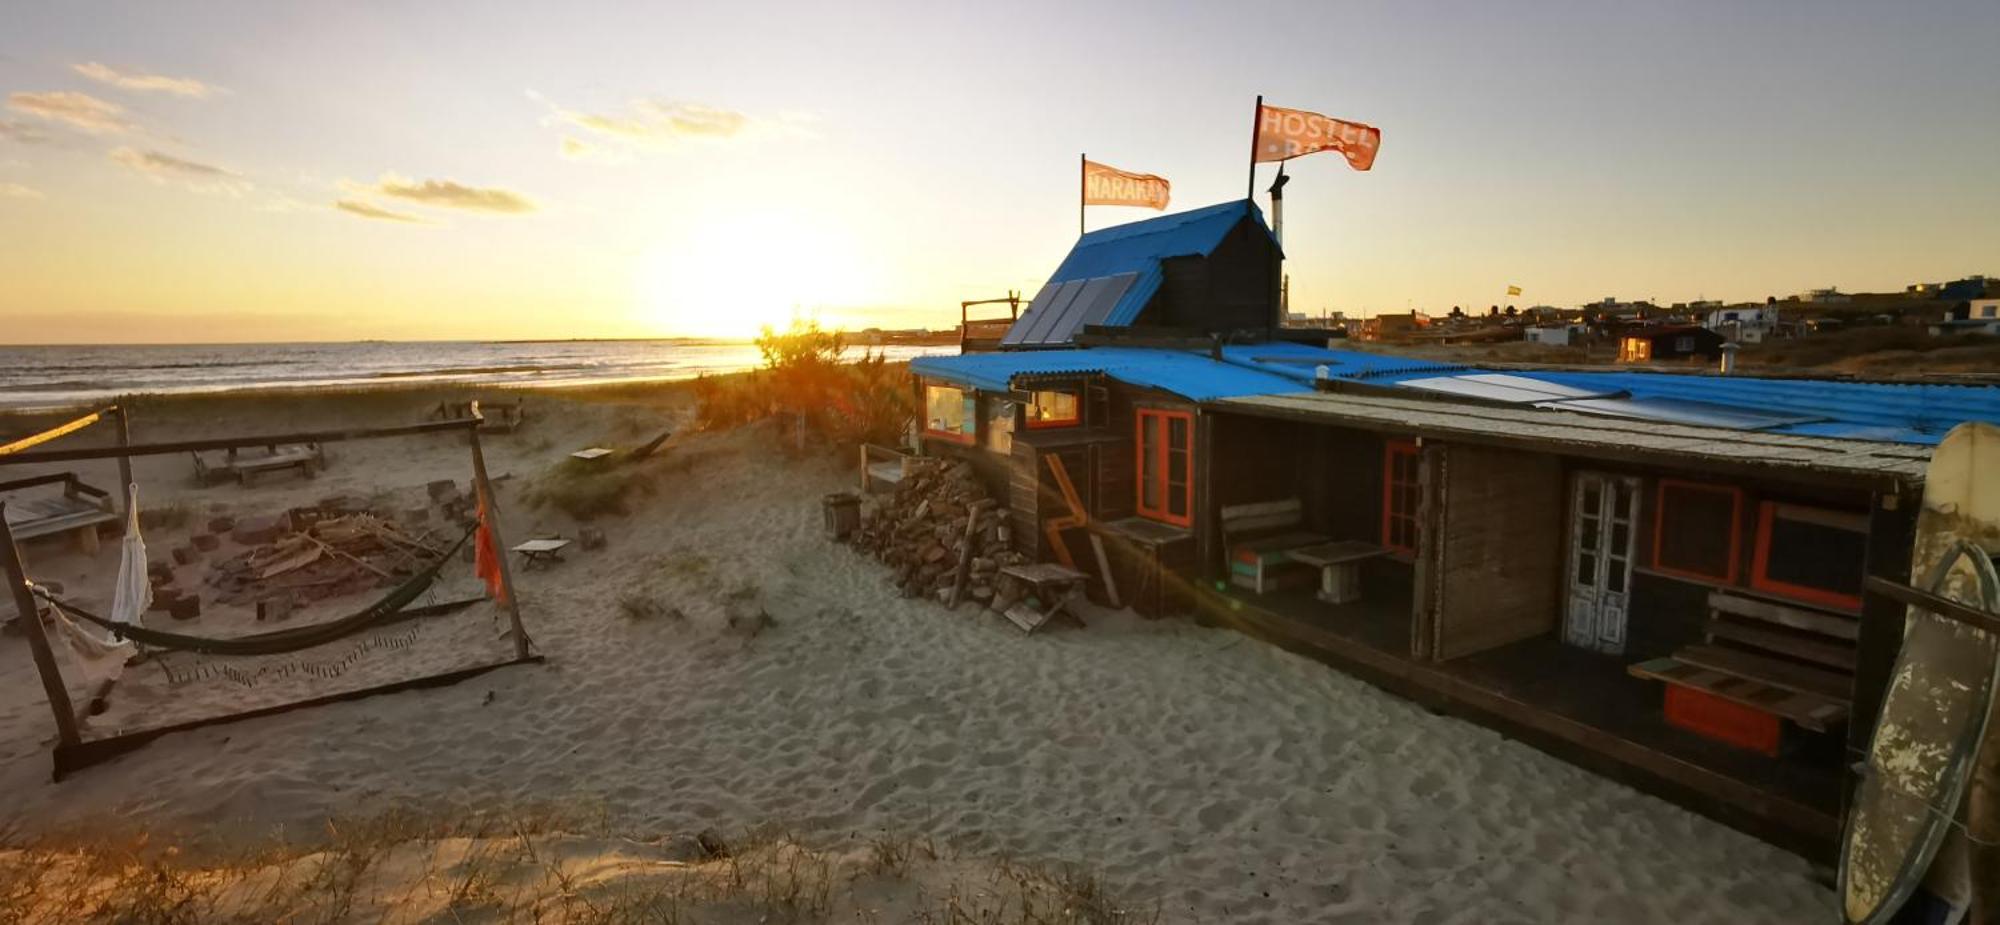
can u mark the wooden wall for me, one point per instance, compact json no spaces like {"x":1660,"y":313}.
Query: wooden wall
{"x":1235,"y":287}
{"x":1498,"y":549}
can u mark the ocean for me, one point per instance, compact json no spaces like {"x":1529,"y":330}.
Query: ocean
{"x":55,"y":376}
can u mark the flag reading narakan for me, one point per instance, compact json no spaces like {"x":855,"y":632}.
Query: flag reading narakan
{"x":1109,"y":186}
{"x":1283,"y":134}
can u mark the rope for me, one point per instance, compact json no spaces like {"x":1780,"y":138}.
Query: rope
{"x":276,"y":641}
{"x":204,"y":671}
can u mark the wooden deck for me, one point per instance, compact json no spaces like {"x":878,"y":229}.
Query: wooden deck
{"x":1578,"y":705}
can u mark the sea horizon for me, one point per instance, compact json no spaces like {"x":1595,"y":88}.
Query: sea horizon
{"x":45,"y":376}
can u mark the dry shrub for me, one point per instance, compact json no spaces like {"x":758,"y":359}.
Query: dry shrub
{"x":846,"y":403}
{"x":587,"y":489}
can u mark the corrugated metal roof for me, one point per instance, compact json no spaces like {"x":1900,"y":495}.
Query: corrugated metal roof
{"x":1134,"y":248}
{"x":1902,"y":412}
{"x":1587,"y":433}
{"x":1245,"y":369}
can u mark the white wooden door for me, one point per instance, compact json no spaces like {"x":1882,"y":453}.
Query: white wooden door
{"x":1604,"y":514}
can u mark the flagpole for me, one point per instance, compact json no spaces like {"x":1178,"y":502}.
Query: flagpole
{"x":1082,"y":189}
{"x":1256,"y":116}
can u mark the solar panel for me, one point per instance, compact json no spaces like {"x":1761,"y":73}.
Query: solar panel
{"x":1062,"y":309}
{"x":1683,"y":411}
{"x":1500,"y":387}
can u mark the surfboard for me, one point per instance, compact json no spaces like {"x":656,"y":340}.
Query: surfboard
{"x":1940,"y":698}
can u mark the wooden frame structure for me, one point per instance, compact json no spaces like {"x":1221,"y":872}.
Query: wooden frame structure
{"x":72,"y":751}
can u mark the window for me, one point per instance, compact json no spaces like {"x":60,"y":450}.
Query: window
{"x":1402,"y":491}
{"x":1166,"y":465}
{"x":1694,"y":531}
{"x":1000,"y":425}
{"x":1052,"y":409}
{"x":1684,"y":344}
{"x":949,"y":413}
{"x":1810,"y":554}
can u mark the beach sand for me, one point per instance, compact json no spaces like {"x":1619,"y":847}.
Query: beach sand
{"x":1201,"y":772}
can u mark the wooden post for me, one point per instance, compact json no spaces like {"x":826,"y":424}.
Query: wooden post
{"x":484,"y":488}
{"x":1082,"y":189}
{"x":38,"y":641}
{"x":124,"y":462}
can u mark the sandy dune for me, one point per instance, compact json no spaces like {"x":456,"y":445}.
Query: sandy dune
{"x":1222,"y":779}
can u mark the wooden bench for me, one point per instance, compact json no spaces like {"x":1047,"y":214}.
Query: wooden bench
{"x":1788,"y":662}
{"x":1259,"y":538}
{"x":78,"y":509}
{"x":308,"y":458}
{"x":884,"y":466}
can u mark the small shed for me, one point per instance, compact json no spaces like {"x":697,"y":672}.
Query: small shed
{"x":1678,"y":342}
{"x":1206,"y":270}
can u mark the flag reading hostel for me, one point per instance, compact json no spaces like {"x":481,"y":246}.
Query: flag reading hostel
{"x":1109,"y":186}
{"x":1283,"y":134}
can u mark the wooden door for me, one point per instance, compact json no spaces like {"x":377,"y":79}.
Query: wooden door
{"x":1604,"y":516}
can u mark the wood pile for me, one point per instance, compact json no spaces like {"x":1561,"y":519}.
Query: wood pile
{"x":941,"y":535}
{"x":310,"y":558}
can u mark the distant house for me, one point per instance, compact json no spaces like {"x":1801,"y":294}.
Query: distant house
{"x":1980,"y":316}
{"x":1553,"y":335}
{"x":1679,"y":342}
{"x":1748,"y":324}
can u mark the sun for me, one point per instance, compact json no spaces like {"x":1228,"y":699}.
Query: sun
{"x":730,"y":277}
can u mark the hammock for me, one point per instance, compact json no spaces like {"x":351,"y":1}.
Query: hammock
{"x":276,"y":641}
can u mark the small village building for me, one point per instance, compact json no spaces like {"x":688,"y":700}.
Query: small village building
{"x":1554,"y":335}
{"x":1659,"y":576}
{"x":1649,"y":344}
{"x":1748,"y":324}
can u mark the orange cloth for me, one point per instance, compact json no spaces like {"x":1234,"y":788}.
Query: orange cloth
{"x":486,"y":554}
{"x":1283,"y":134}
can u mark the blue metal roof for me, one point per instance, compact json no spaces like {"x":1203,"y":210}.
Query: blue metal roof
{"x":1894,"y":412}
{"x":1136,"y":248}
{"x":1245,"y":369}
{"x":1897,"y":412}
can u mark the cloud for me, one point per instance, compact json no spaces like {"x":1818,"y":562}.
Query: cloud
{"x":17,"y":191}
{"x":21,"y":132}
{"x":449,"y":195}
{"x":161,"y":168}
{"x":145,"y":83}
{"x":370,"y":210}
{"x":661,"y":125}
{"x":77,"y":110}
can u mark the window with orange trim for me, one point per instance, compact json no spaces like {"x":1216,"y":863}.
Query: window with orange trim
{"x":1810,"y":554}
{"x":1402,"y":492}
{"x":950,"y":413}
{"x":1053,"y":409}
{"x":1695,"y":530}
{"x":1165,"y":447}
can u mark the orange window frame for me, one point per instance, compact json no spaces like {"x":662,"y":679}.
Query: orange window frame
{"x":952,"y":435}
{"x":1735,"y":528}
{"x":1076,"y":413}
{"x":1390,"y":514}
{"x":1157,"y":472}
{"x":1761,"y":558}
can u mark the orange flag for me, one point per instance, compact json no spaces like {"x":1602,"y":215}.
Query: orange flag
{"x":1109,"y":186}
{"x":1283,"y":134}
{"x":486,"y":554}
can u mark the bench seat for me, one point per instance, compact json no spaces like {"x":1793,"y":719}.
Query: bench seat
{"x":1785,"y":661}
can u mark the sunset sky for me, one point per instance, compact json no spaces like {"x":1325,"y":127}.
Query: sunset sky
{"x":278,"y":171}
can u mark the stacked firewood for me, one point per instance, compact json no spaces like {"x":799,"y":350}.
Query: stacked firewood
{"x":941,"y":534}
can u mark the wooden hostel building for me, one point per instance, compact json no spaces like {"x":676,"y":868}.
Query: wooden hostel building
{"x":1657,"y":576}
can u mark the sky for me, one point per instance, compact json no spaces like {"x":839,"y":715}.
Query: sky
{"x":252,"y":171}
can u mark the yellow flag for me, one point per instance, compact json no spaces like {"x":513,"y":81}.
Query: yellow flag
{"x":1513,"y":290}
{"x":1109,"y":186}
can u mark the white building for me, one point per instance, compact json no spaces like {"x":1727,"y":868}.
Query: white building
{"x":1553,"y":335}
{"x":1749,"y":325}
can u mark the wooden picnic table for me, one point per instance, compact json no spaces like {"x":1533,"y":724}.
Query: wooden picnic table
{"x":1339,"y":565}
{"x":1054,"y":586}
{"x":541,"y":552}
